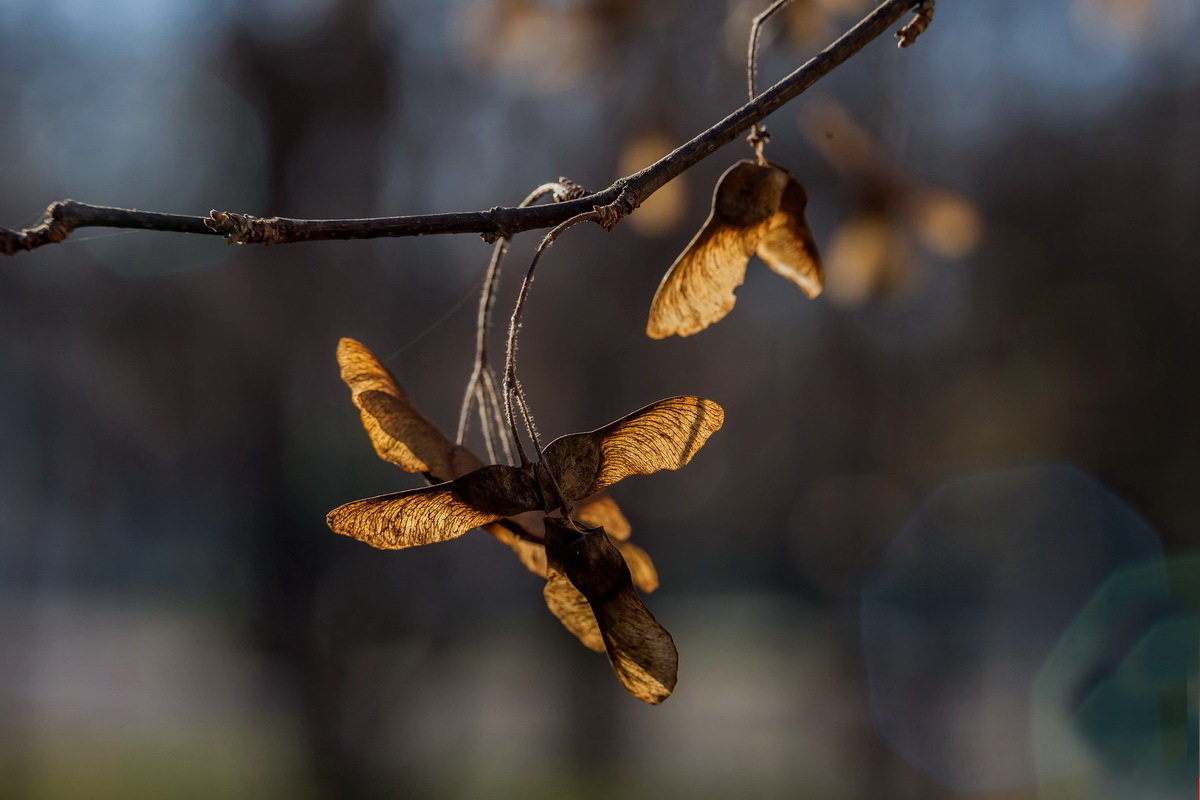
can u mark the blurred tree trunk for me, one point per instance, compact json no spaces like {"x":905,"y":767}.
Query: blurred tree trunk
{"x":324,"y":100}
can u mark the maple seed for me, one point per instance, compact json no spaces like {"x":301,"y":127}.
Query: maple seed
{"x":756,"y":208}
{"x":570,"y":607}
{"x":399,"y":434}
{"x":397,"y":430}
{"x":663,"y":435}
{"x":641,"y":651}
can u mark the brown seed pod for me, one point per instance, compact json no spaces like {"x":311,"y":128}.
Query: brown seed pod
{"x":641,"y":651}
{"x":756,"y":208}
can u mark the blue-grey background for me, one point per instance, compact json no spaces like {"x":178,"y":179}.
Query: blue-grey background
{"x":943,"y":547}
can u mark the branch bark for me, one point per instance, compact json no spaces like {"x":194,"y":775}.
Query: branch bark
{"x":613,"y":203}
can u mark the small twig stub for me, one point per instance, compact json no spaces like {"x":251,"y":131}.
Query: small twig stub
{"x":922,"y":18}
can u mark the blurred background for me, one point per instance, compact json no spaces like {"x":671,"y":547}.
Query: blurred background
{"x":946,"y":545}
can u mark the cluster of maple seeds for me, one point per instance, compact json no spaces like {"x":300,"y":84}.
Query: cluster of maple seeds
{"x":584,"y":553}
{"x":554,"y":511}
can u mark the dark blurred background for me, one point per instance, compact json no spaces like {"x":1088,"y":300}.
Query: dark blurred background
{"x":945,"y":546}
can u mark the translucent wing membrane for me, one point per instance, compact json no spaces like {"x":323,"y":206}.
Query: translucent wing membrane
{"x":436,"y":513}
{"x":640,"y":650}
{"x":406,"y":430}
{"x":788,"y":246}
{"x":601,"y":511}
{"x":663,"y":435}
{"x":641,"y":568}
{"x":571,"y":608}
{"x":397,"y":430}
{"x":698,"y":289}
{"x":756,"y":208}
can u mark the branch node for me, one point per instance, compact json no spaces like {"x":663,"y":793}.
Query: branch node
{"x":502,"y":230}
{"x":922,"y":17}
{"x":758,"y":138}
{"x":247,"y":229}
{"x":608,"y":216}
{"x":568,"y":190}
{"x":758,"y":134}
{"x":52,"y":229}
{"x":226,"y":223}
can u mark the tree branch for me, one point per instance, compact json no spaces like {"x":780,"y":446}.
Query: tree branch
{"x":618,"y":200}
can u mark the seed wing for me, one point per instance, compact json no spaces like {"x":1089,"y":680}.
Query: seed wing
{"x":698,"y":288}
{"x":641,"y":567}
{"x":397,"y":430}
{"x":601,"y":511}
{"x":640,"y":650}
{"x":571,"y":608}
{"x":663,"y":435}
{"x":436,"y":513}
{"x":788,"y":246}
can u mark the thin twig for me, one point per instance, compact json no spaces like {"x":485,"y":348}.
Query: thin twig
{"x":511,"y":387}
{"x":491,"y":393}
{"x":758,"y":133}
{"x":562,"y":189}
{"x":486,"y":299}
{"x":622,"y":196}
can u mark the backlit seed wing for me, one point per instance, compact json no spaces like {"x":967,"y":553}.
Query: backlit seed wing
{"x":663,"y":435}
{"x":439,"y":512}
{"x":408,"y":519}
{"x":641,"y":568}
{"x":405,"y":430}
{"x":601,"y":511}
{"x":698,"y":288}
{"x":404,"y":437}
{"x":517,"y":532}
{"x":571,"y":608}
{"x":788,"y":246}
{"x":398,"y":432}
{"x":641,"y":651}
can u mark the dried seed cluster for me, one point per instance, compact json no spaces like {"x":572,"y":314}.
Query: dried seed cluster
{"x":553,"y":511}
{"x":583,"y":552}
